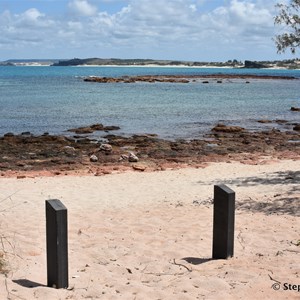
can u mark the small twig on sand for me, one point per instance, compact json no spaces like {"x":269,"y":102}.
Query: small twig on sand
{"x":5,"y":239}
{"x":164,"y":274}
{"x":181,"y":265}
{"x":9,"y":196}
{"x":241,"y":240}
{"x":273,"y":279}
{"x":290,"y":250}
{"x":296,"y":244}
{"x":9,"y":294}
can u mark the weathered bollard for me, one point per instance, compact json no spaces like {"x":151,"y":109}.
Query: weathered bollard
{"x":223,"y":222}
{"x":57,"y":244}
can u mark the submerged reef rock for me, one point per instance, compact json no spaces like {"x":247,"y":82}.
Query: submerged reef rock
{"x":92,"y":128}
{"x":182,"y":78}
{"x":297,"y":127}
{"x":225,"y":128}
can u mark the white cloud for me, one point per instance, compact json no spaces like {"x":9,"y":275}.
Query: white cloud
{"x":77,"y":26}
{"x":33,"y":18}
{"x":82,"y":8}
{"x":5,"y":18}
{"x":175,"y":29}
{"x":249,"y":13}
{"x":32,"y":14}
{"x":193,"y":7}
{"x":26,"y":30}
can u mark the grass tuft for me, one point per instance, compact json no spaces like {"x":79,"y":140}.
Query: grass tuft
{"x":2,"y":264}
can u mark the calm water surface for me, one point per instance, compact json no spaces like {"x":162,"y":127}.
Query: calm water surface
{"x":54,"y":99}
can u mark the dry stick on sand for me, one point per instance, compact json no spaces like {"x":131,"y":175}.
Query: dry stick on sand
{"x":241,"y":240}
{"x":274,"y":279}
{"x":181,"y":265}
{"x":170,"y":274}
{"x":9,"y":198}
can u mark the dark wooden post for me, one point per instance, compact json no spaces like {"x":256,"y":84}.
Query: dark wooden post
{"x":223,"y":227}
{"x":57,"y":244}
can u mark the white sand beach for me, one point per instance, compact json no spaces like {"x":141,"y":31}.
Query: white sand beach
{"x":138,"y":235}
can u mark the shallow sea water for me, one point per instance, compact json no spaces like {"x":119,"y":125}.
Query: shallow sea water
{"x":54,"y":99}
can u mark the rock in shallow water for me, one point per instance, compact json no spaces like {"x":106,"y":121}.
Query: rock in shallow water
{"x":295,"y":108}
{"x":297,"y":127}
{"x":92,"y":128}
{"x":225,"y":128}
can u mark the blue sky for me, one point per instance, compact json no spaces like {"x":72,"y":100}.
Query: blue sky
{"x":200,"y":30}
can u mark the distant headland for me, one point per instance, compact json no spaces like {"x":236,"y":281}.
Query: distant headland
{"x":286,"y":64}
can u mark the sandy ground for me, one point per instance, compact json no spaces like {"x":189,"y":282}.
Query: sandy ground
{"x":149,"y":235}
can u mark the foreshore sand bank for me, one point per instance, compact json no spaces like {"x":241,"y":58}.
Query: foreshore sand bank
{"x":138,"y":235}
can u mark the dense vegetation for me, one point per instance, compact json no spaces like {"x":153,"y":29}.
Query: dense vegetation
{"x":289,"y":64}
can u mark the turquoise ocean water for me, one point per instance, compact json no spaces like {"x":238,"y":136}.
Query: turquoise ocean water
{"x":54,"y":99}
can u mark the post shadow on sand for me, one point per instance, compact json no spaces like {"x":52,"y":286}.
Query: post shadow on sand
{"x":276,"y":178}
{"x":285,"y":204}
{"x":28,"y":283}
{"x":196,"y":260}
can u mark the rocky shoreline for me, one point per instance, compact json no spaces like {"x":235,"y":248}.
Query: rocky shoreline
{"x":28,"y":155}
